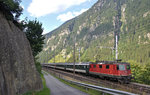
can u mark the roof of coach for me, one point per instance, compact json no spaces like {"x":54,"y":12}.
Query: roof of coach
{"x":82,"y":63}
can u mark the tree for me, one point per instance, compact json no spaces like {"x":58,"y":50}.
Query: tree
{"x":11,"y":9}
{"x":33,"y":31}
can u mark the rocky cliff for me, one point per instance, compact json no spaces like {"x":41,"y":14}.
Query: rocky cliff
{"x":17,"y":70}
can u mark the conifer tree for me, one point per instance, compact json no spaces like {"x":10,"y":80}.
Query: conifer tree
{"x":33,"y":31}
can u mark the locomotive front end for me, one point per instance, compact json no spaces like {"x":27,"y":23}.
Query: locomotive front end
{"x":124,"y":72}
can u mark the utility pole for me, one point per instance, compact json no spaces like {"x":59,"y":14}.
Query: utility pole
{"x":65,"y":49}
{"x":65,"y":56}
{"x":74,"y":58}
{"x":59,"y":57}
{"x":116,"y":47}
{"x":117,"y":26}
{"x":79,"y":55}
{"x":54,"y":55}
{"x":47,"y":56}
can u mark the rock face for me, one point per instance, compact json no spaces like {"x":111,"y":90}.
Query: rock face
{"x":17,"y":70}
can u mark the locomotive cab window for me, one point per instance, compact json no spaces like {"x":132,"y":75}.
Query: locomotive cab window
{"x":100,"y":66}
{"x":107,"y":66}
{"x":120,"y":67}
{"x":94,"y":66}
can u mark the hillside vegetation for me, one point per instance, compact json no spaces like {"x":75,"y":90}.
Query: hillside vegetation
{"x":95,"y":28}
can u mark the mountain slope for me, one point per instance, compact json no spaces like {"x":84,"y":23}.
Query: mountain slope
{"x":95,"y":28}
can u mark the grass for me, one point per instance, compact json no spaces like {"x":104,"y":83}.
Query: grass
{"x":83,"y":89}
{"x":44,"y":91}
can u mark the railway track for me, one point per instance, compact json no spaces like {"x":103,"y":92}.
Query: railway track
{"x":132,"y":87}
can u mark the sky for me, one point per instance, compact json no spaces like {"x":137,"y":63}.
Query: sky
{"x":53,"y":13}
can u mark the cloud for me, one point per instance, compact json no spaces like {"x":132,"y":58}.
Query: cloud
{"x":65,"y":17}
{"x":70,"y":15}
{"x":39,"y":8}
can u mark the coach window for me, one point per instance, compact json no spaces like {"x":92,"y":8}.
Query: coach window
{"x":100,"y":66}
{"x":88,"y":66}
{"x":107,"y":66}
{"x":94,"y":66}
{"x":76,"y":66}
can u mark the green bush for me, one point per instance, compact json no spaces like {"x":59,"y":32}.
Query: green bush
{"x":140,"y":72}
{"x":38,"y":66}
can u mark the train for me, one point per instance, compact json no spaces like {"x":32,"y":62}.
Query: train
{"x":111,"y":70}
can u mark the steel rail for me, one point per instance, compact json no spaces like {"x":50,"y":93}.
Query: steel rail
{"x":102,"y":89}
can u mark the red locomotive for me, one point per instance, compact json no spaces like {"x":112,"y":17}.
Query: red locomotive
{"x":112,"y":70}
